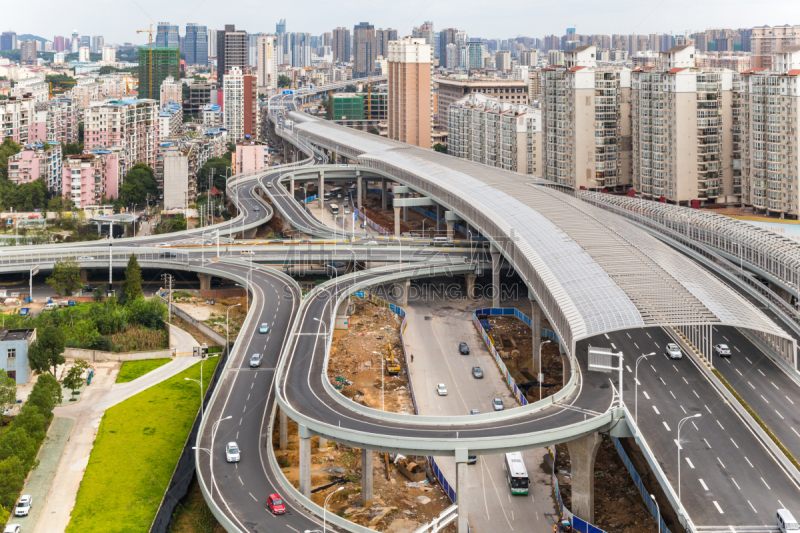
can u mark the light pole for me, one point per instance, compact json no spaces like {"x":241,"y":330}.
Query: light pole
{"x":698,"y":415}
{"x":658,"y":515}
{"x":227,"y":325}
{"x":325,"y":508}
{"x":539,"y":377}
{"x":202,"y":409}
{"x":211,"y":452}
{"x":636,"y":387}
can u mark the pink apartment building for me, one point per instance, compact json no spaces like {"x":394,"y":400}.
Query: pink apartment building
{"x":131,"y":125}
{"x":16,"y":116}
{"x":37,"y":161}
{"x":87,"y":178}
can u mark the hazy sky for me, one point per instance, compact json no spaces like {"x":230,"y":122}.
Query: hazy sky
{"x":118,"y":20}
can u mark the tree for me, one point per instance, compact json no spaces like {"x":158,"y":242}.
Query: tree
{"x":439,"y":147}
{"x":373,"y":130}
{"x":46,"y":394}
{"x":8,"y":391}
{"x":350,"y":89}
{"x":137,"y":184}
{"x":66,"y":277}
{"x":284,"y":81}
{"x":99,"y":293}
{"x":80,"y":132}
{"x":71,"y":149}
{"x":7,"y":149}
{"x":132,"y":286}
{"x":220,"y":166}
{"x":12,"y":477}
{"x":46,"y":352}
{"x":74,"y":378}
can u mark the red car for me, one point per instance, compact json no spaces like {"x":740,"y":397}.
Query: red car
{"x":275,"y":504}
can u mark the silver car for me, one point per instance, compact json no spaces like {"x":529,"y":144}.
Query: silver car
{"x":497,"y":403}
{"x":232,"y":454}
{"x":674,"y":351}
{"x":255,"y":360}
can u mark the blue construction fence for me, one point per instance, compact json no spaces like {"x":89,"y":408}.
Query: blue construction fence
{"x":651,"y":506}
{"x":369,"y":222}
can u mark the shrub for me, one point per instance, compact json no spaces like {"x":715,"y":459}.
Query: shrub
{"x":104,"y":344}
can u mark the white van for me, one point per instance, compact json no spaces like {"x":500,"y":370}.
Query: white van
{"x":51,"y":306}
{"x":440,"y":241}
{"x":786,"y":521}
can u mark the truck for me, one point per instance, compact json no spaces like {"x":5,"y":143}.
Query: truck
{"x":392,"y":366}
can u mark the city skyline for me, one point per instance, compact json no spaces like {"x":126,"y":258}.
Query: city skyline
{"x":623,"y":17}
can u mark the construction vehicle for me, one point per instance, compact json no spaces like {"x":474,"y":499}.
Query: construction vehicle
{"x":392,"y":366}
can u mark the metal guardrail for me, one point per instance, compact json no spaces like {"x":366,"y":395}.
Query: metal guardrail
{"x":94,"y":255}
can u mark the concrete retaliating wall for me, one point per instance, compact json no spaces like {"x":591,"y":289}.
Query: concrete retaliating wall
{"x":199,"y":325}
{"x":99,"y":357}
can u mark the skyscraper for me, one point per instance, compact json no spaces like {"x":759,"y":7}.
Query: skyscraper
{"x":300,"y":49}
{"x":28,"y":51}
{"x":382,"y":38}
{"x":196,"y":44}
{"x":280,"y":27}
{"x":267,"y":62}
{"x":448,"y":36}
{"x":98,"y":42}
{"x":473,"y":55}
{"x":59,"y":43}
{"x":240,"y":99}
{"x":8,"y":40}
{"x":75,"y":43}
{"x":156,"y":67}
{"x":363,"y":49}
{"x":341,"y":45}
{"x":425,"y":31}
{"x":231,"y":50}
{"x":409,"y":84}
{"x":168,"y":36}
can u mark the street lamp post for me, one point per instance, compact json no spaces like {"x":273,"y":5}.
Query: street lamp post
{"x":227,"y":325}
{"x":658,"y":515}
{"x":636,"y":387}
{"x":539,"y":377}
{"x":211,"y":452}
{"x":201,"y":384}
{"x":325,"y":508}
{"x":698,"y":415}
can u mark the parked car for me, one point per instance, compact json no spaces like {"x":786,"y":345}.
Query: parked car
{"x":23,"y":505}
{"x":255,"y":360}
{"x":497,"y":403}
{"x":275,"y":504}
{"x":674,"y":351}
{"x":167,"y":255}
{"x":232,"y":454}
{"x":371,"y":243}
{"x":264,"y":328}
{"x":441,"y":389}
{"x":463,"y":349}
{"x":722,"y":350}
{"x":12,"y":528}
{"x":477,"y":373}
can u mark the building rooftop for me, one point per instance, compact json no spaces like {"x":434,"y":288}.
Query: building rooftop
{"x":16,"y":334}
{"x":678,"y":48}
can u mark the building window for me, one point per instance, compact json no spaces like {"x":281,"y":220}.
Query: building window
{"x":12,"y":353}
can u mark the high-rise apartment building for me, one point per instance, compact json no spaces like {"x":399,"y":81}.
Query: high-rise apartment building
{"x":448,"y":36}
{"x":212,"y":44}
{"x":341,"y":45}
{"x":8,"y":40}
{"x":451,"y":56}
{"x":529,"y":58}
{"x":766,"y":41}
{"x":196,"y":44}
{"x":17,"y":116}
{"x":502,"y":60}
{"x":495,"y":133}
{"x":155,"y":65}
{"x":231,"y":50}
{"x":240,"y":102}
{"x":267,"y":63}
{"x":167,"y":36}
{"x":170,"y":91}
{"x":766,"y":126}
{"x":300,"y":47}
{"x":425,"y":31}
{"x":60,"y":43}
{"x":28,"y":51}
{"x":363,"y":49}
{"x":681,"y":118}
{"x":409,"y":84}
{"x":131,"y":125}
{"x":37,"y":161}
{"x":382,"y":38}
{"x":109,"y":54}
{"x":473,"y":55}
{"x":84,"y":54}
{"x":452,"y":90}
{"x":89,"y":177}
{"x":586,"y":114}
{"x":98,"y":42}
{"x":280,"y":27}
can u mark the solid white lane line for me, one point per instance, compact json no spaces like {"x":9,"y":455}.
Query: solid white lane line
{"x":692,"y":466}
{"x":705,"y":487}
{"x":718,"y":508}
{"x":656,"y":410}
{"x":666,"y":426}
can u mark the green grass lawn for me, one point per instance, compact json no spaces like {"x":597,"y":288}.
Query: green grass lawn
{"x":131,"y":370}
{"x":138,"y":444}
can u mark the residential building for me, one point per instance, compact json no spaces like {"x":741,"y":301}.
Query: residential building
{"x":363,"y":50}
{"x":171,"y":91}
{"x":86,"y":92}
{"x":231,"y":50}
{"x":201,"y":94}
{"x":502,"y":60}
{"x":473,"y":55}
{"x":35,"y":87}
{"x":179,"y":190}
{"x":267,"y":63}
{"x":766,"y":122}
{"x":382,"y":38}
{"x":61,"y":121}
{"x":196,"y":44}
{"x":212,"y":116}
{"x":8,"y":40}
{"x":170,"y":120}
{"x":167,"y":36}
{"x":347,"y":106}
{"x":240,"y":103}
{"x":155,"y":65}
{"x":451,"y":56}
{"x":98,"y":42}
{"x":341,"y":45}
{"x":16,"y":119}
{"x":735,"y":61}
{"x":426,"y":31}
{"x":682,"y":140}
{"x":250,"y":155}
{"x":130,"y":125}
{"x":109,"y":54}
{"x":587,"y":127}
{"x":409,"y":87}
{"x":451,"y":90}
{"x":37,"y":161}
{"x":84,"y":54}
{"x":766,"y":41}
{"x":28,"y":51}
{"x":14,"y":345}
{"x":89,"y":177}
{"x":495,"y":133}
{"x":448,"y":36}
{"x":529,"y":58}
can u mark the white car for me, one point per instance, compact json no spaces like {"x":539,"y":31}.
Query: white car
{"x":722,"y":350}
{"x":13,"y":528}
{"x":269,"y":185}
{"x":441,"y":389}
{"x":86,"y":258}
{"x":232,"y":454}
{"x":371,"y":243}
{"x":162,"y":245}
{"x":255,"y":360}
{"x":497,"y":403}
{"x":674,"y":351}
{"x":23,"y":505}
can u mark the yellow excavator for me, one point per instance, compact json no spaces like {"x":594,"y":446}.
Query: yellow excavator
{"x":392,"y":366}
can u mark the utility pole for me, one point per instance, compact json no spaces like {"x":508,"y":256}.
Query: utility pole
{"x":168,"y":279}
{"x":210,"y":183}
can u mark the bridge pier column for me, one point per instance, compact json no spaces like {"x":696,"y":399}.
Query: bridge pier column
{"x":396,"y":221}
{"x":359,"y":185}
{"x":462,"y":489}
{"x":205,"y":282}
{"x":291,"y":186}
{"x":366,"y":477}
{"x":450,"y":229}
{"x":495,"y":278}
{"x":323,"y":443}
{"x":470,"y":278}
{"x":321,"y":190}
{"x":582,"y":454}
{"x":283,"y":434}
{"x":438,"y":217}
{"x":536,"y":329}
{"x":403,"y":288}
{"x":305,"y":461}
{"x":84,"y":275}
{"x":384,"y":197}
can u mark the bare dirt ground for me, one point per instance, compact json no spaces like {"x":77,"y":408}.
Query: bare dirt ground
{"x":618,"y":506}
{"x":400,"y":505}
{"x":214,"y":315}
{"x":513,"y":341}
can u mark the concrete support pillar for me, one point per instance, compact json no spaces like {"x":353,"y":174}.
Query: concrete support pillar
{"x":384,"y":196}
{"x":84,"y":275}
{"x":396,"y":221}
{"x":495,"y":279}
{"x":305,"y":462}
{"x":321,"y":190}
{"x":359,"y":185}
{"x":450,"y":229}
{"x":366,"y":477}
{"x":283,"y":433}
{"x":323,"y":443}
{"x":536,"y":330}
{"x":401,"y":292}
{"x":205,"y":282}
{"x":438,"y":217}
{"x":405,"y":209}
{"x":470,"y":284}
{"x":291,"y":186}
{"x":462,"y":521}
{"x":582,"y":454}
